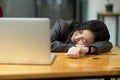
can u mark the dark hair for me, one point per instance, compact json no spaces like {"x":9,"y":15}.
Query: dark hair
{"x":97,"y":27}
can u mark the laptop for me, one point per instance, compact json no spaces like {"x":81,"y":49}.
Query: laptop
{"x":25,"y":41}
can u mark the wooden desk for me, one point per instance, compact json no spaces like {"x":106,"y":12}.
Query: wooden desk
{"x":102,"y":15}
{"x":106,"y":64}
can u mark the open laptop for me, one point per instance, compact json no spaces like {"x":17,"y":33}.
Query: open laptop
{"x":25,"y":41}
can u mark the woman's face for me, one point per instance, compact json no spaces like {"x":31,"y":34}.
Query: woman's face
{"x":83,"y":37}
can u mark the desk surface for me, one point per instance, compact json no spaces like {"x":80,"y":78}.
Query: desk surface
{"x":109,"y":13}
{"x":89,"y":65}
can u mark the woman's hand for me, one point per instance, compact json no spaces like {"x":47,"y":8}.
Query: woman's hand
{"x":77,"y":51}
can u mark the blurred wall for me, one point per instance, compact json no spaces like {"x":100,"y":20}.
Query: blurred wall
{"x":56,"y":9}
{"x":53,"y":9}
{"x":19,"y":8}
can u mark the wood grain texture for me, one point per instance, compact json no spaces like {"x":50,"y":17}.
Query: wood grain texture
{"x":62,"y":66}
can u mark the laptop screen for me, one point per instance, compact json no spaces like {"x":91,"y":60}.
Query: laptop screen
{"x":25,"y":40}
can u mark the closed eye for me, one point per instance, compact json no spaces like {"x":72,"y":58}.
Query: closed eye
{"x":85,"y":41}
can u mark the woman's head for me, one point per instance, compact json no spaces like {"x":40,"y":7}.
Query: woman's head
{"x":90,"y":32}
{"x":82,"y":37}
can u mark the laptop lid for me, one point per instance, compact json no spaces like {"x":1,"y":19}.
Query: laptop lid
{"x":25,"y":41}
